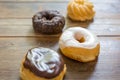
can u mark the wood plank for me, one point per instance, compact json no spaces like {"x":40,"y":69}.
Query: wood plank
{"x":23,"y":27}
{"x":27,"y":31}
{"x":26,"y":10}
{"x":106,"y":67}
{"x":28,"y":22}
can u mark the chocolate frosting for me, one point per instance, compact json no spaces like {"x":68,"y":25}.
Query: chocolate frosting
{"x":44,"y":62}
{"x":48,"y":22}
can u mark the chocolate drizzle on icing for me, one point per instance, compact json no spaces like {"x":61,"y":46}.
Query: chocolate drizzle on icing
{"x":44,"y":62}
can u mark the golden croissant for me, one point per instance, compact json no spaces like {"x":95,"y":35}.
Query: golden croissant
{"x":80,"y":10}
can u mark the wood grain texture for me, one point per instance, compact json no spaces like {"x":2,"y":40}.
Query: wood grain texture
{"x":18,"y":30}
{"x":28,"y":22}
{"x":106,"y":67}
{"x":23,"y":27}
{"x":17,"y":36}
{"x":27,"y":10}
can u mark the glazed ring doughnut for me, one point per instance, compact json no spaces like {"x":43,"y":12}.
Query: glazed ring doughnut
{"x":79,"y":44}
{"x":42,"y":64}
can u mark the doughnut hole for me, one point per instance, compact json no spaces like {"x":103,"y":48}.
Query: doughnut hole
{"x":79,"y":37}
{"x":48,"y":17}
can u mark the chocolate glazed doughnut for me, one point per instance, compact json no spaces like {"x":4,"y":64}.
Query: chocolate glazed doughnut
{"x":48,"y":22}
{"x":42,"y":64}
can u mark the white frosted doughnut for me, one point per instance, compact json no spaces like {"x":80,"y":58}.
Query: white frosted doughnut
{"x":79,"y":44}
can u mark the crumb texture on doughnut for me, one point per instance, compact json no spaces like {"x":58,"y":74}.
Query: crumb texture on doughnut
{"x":42,"y":64}
{"x":48,"y":22}
{"x":80,"y":10}
{"x":79,"y":44}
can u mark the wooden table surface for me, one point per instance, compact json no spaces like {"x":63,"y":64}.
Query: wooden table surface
{"x":17,"y":36}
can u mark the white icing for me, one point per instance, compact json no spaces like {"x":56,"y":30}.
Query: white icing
{"x":68,"y":38}
{"x":42,"y":59}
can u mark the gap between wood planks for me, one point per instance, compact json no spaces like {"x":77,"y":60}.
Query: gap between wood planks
{"x":56,"y":1}
{"x":52,"y":36}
